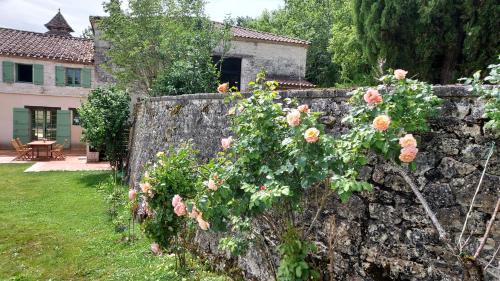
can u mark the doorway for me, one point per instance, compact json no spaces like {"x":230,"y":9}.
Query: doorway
{"x":43,"y":123}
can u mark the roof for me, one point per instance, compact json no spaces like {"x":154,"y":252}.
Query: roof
{"x":59,"y":26}
{"x":45,"y":46}
{"x":247,"y":34}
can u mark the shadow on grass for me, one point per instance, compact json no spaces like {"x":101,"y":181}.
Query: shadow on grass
{"x":93,"y":179}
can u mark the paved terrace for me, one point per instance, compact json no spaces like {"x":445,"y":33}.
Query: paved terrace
{"x":75,"y":161}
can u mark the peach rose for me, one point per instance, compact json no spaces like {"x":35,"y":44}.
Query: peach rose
{"x":212,"y":185}
{"x":194,"y":213}
{"x":176,"y":200}
{"x":146,"y":187}
{"x":223,"y":88}
{"x":372,"y":96}
{"x":226,"y":142}
{"x":381,"y":122}
{"x":408,"y":154}
{"x":304,"y":108}
{"x":311,"y":135}
{"x":408,"y":140}
{"x":132,"y":194}
{"x":293,"y":118}
{"x":400,"y":74}
{"x":155,"y":249}
{"x":180,"y":209}
{"x":204,"y":225}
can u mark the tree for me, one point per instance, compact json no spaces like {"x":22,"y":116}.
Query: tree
{"x":87,"y":33}
{"x":438,"y":40}
{"x":161,"y":46}
{"x":104,"y":119}
{"x":306,"y":19}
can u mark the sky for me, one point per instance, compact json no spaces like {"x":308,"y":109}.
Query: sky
{"x":33,"y":14}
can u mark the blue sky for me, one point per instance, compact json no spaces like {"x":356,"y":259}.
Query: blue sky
{"x":33,"y":14}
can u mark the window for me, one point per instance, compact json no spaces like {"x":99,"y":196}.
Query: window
{"x":75,"y":116}
{"x":73,"y":77}
{"x":43,"y":123}
{"x":24,"y":73}
{"x":230,"y":70}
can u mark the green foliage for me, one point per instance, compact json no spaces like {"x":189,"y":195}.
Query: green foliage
{"x":161,"y":46}
{"x":490,"y":93}
{"x":115,"y":196}
{"x":293,"y":253}
{"x":458,"y":35}
{"x":104,"y":119}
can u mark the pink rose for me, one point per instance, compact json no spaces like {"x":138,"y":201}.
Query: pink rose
{"x":408,"y":154}
{"x":293,"y":118}
{"x":176,"y":200}
{"x":372,"y":96}
{"x":304,"y":108}
{"x":311,"y":135}
{"x":180,"y":209}
{"x":223,"y":88}
{"x":400,"y":74}
{"x":226,"y":142}
{"x":194,"y":213}
{"x":155,"y":249}
{"x":381,"y":122}
{"x":132,"y":194}
{"x":204,"y":225}
{"x":212,"y":185}
{"x":263,"y":188}
{"x":408,"y":140}
{"x":146,"y":187}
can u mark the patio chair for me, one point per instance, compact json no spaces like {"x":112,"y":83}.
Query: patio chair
{"x":20,"y":143}
{"x":23,"y":153}
{"x":58,"y":151}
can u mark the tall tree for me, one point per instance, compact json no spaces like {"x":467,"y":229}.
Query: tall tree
{"x":161,"y":47}
{"x":438,"y":40}
{"x":306,"y":19}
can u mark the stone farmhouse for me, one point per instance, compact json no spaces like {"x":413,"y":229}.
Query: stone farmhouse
{"x":46,"y":76}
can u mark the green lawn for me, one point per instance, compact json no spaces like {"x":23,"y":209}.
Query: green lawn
{"x":53,"y":226}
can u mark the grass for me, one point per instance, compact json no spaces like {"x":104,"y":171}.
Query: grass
{"x":53,"y":226}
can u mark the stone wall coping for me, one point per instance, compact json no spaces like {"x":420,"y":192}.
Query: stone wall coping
{"x":448,"y":91}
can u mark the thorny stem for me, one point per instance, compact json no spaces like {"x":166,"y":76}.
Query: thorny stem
{"x":488,"y":229}
{"x":492,"y":258}
{"x":395,"y":168}
{"x":475,"y":194}
{"x":320,"y":208}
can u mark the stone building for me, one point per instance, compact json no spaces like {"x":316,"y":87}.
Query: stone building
{"x":283,"y":58}
{"x":44,"y":78}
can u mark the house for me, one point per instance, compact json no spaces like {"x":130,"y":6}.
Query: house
{"x":44,"y":78}
{"x":283,"y":58}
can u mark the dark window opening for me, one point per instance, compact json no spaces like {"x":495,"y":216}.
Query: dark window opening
{"x":73,"y":76}
{"x":24,"y":73}
{"x":230,"y":71}
{"x":75,"y":116}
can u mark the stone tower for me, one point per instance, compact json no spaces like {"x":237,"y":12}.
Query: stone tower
{"x":59,"y":26}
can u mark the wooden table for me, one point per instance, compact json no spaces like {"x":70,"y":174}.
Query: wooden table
{"x":36,"y":145}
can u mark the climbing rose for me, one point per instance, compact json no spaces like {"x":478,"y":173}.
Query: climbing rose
{"x":311,"y":135}
{"x":263,"y":188}
{"x":155,"y":248}
{"x":194,"y":213}
{"x":408,"y":154}
{"x":304,"y":108}
{"x":293,"y":118}
{"x":146,"y":187}
{"x":202,"y":223}
{"x":223,"y":88}
{"x":407,"y":141}
{"x":400,"y":74}
{"x":372,"y":96}
{"x":176,"y":200}
{"x":132,"y":194}
{"x":212,"y":185}
{"x":180,"y":209}
{"x":226,"y":142}
{"x":381,"y":122}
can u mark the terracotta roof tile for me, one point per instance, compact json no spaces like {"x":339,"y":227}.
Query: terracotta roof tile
{"x":283,"y":82}
{"x":247,"y":33}
{"x":38,"y":45}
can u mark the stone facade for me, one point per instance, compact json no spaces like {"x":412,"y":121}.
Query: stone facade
{"x":379,"y":235}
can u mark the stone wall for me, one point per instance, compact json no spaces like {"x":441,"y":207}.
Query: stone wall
{"x":379,"y":235}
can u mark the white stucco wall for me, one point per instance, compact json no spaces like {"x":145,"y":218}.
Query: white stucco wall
{"x":279,"y":60}
{"x":19,"y":95}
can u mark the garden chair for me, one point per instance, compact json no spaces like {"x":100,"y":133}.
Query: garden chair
{"x":58,"y":151}
{"x":23,"y":153}
{"x":19,"y":142}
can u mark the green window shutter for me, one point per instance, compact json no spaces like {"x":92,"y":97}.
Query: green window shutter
{"x":60,"y":76}
{"x":22,"y":124}
{"x":8,"y":72}
{"x":38,"y":74}
{"x":86,"y":77}
{"x":63,"y":128}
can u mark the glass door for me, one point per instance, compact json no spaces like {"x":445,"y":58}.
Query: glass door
{"x":43,"y":123}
